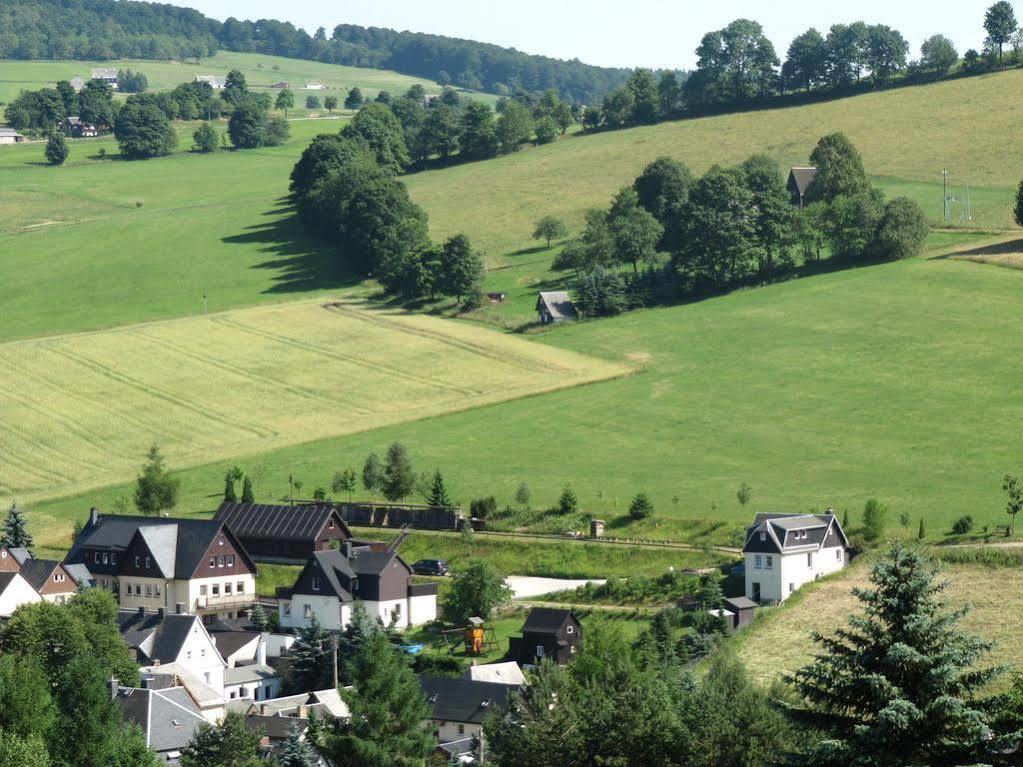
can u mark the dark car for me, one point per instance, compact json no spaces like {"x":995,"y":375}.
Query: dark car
{"x":431,"y":567}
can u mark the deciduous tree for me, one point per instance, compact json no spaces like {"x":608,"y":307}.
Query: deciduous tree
{"x":143,"y":130}
{"x":205,"y":138}
{"x":476,"y":590}
{"x":901,"y":231}
{"x":938,"y":54}
{"x":1000,"y":24}
{"x":231,"y":744}
{"x":354,"y":99}
{"x":344,"y":482}
{"x":399,"y":479}
{"x":550,"y":228}
{"x":56,"y":149}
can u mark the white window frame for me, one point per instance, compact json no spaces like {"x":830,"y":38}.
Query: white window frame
{"x":769,"y":562}
{"x":758,"y":562}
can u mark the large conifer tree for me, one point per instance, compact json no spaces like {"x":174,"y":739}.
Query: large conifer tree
{"x":14,"y":533}
{"x":900,"y":685}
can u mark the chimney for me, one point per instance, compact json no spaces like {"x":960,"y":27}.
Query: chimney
{"x":112,"y":685}
{"x":346,"y":549}
{"x":93,"y":516}
{"x":261,"y":651}
{"x":160,"y":612}
{"x":179,"y":608}
{"x":142,"y":611}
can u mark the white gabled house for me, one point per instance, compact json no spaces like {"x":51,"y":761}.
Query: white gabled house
{"x":784,"y":551}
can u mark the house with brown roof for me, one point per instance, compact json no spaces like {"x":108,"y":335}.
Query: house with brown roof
{"x":179,"y":565}
{"x":332,"y":581}
{"x":799,"y":181}
{"x":285,"y":534}
{"x":784,"y":551}
{"x":555,"y":306}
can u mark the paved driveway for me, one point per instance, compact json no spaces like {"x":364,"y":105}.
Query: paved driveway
{"x":525,"y":587}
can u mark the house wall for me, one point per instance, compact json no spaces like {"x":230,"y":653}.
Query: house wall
{"x":8,"y":564}
{"x":59,"y":586}
{"x":199,"y":655}
{"x":278,"y":644}
{"x":265,"y":689}
{"x":422,"y":609}
{"x":154,"y":592}
{"x":190,"y":592}
{"x":18,"y":592}
{"x":328,"y":610}
{"x":388,"y":609}
{"x":790,"y":571}
{"x":448,"y":731}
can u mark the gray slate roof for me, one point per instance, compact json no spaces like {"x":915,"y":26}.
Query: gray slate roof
{"x":464,"y":700}
{"x":339,"y":570}
{"x":801,"y":178}
{"x":283,"y":523}
{"x":8,"y":132}
{"x":785,"y":533}
{"x":230,"y":642}
{"x":179,"y":549}
{"x":169,"y":718}
{"x":38,"y":571}
{"x":155,"y":638}
{"x":81,"y":574}
{"x":559,"y":304}
{"x":21,"y":555}
{"x":547,"y":620}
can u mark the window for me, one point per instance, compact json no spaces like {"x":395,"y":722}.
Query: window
{"x":461,"y":729}
{"x":113,"y":559}
{"x":809,"y":559}
{"x":148,"y":563}
{"x":540,"y":651}
{"x":308,"y":613}
{"x":206,"y":677}
{"x":3,"y":553}
{"x":149,"y":590}
{"x":97,"y":557}
{"x":287,"y":609}
{"x":202,"y":653}
{"x":106,"y":559}
{"x":220,"y":560}
{"x":838,"y":554}
{"x":138,"y":589}
{"x":58,"y":577}
{"x":202,"y":591}
{"x":188,"y":655}
{"x":213,"y":561}
{"x":230,"y":560}
{"x":397,"y":610}
{"x":239,"y":587}
{"x":330,"y":523}
{"x":138,"y":561}
{"x":221,"y":540}
{"x":792,"y":587}
{"x":570,"y":630}
{"x":770,"y":561}
{"x":316,"y":583}
{"x":227,"y":588}
{"x":156,"y":589}
{"x":758,"y":561}
{"x":763,"y":536}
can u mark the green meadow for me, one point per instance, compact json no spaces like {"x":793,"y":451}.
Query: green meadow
{"x":260,"y":71}
{"x":894,"y":381}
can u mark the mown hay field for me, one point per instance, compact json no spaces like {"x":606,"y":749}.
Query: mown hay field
{"x":80,"y":411}
{"x":780,"y":641}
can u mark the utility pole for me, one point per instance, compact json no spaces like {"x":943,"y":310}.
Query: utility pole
{"x":333,"y":655}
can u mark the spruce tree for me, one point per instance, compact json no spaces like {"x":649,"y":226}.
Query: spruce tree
{"x":438,"y":495}
{"x":258,"y":617}
{"x":351,"y":641}
{"x":523,"y":496}
{"x":921,"y":534}
{"x":14,"y":533}
{"x":295,"y":752}
{"x":568,"y":503}
{"x":310,"y":665}
{"x":230,"y":496}
{"x":900,"y":685}
{"x":247,"y":495}
{"x":388,"y":709}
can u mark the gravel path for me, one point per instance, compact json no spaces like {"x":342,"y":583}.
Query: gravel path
{"x":525,"y":587}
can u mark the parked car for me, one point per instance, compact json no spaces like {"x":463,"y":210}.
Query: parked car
{"x":431,"y":567}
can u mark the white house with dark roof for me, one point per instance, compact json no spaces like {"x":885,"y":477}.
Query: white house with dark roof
{"x":332,"y":581}
{"x":458,"y":707}
{"x":106,"y":74}
{"x":784,"y":551}
{"x":15,"y":591}
{"x":161,"y":640}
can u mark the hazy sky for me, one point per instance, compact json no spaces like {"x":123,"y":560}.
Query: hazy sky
{"x":650,"y":33}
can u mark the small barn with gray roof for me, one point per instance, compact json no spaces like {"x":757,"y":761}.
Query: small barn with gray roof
{"x":555,"y":306}
{"x":799,"y":181}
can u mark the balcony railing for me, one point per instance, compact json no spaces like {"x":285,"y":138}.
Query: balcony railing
{"x":224,"y":600}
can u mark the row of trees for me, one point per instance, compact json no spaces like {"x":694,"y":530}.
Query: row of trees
{"x":738,"y":65}
{"x":735,"y":226}
{"x":346,"y":189}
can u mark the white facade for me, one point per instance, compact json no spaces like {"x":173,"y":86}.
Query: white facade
{"x":334,"y":615}
{"x":223,"y":594}
{"x":780,"y":575}
{"x":18,"y":592}
{"x":448,"y":732}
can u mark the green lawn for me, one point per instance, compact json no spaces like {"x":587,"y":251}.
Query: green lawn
{"x":260,"y":72}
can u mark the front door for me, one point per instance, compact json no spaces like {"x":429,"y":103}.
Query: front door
{"x":756,"y":592}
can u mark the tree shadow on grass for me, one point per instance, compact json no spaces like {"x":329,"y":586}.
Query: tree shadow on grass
{"x":301,"y":262}
{"x":1009,"y":248}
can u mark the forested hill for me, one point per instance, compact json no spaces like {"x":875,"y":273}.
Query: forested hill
{"x":112,"y":29}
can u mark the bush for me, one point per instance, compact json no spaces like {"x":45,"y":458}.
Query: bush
{"x":277,"y":132}
{"x":568,"y":503}
{"x":641,"y":507}
{"x":56,"y":150}
{"x":205,"y":138}
{"x":312,"y":102}
{"x":481,"y":508}
{"x":874,"y":519}
{"x":963,"y":525}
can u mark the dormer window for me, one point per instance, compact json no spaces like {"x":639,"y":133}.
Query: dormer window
{"x":763,"y":536}
{"x":316,"y":583}
{"x":570,"y":630}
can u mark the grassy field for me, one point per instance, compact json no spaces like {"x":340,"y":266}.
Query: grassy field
{"x":779,"y":642}
{"x":80,"y":410}
{"x":260,"y":72}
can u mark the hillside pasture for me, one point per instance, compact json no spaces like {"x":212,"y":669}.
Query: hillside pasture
{"x":80,"y":411}
{"x":260,"y":72}
{"x":779,"y":642}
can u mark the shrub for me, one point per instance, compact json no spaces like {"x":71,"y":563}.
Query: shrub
{"x":963,"y":525}
{"x":56,"y":150}
{"x":481,"y":508}
{"x":874,"y":518}
{"x":568,"y":503}
{"x":205,"y":138}
{"x":641,"y":507}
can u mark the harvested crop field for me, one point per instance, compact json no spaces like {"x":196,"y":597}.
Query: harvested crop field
{"x":80,"y":411}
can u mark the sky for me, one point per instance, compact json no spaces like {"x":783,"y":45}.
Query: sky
{"x":636,"y":33}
